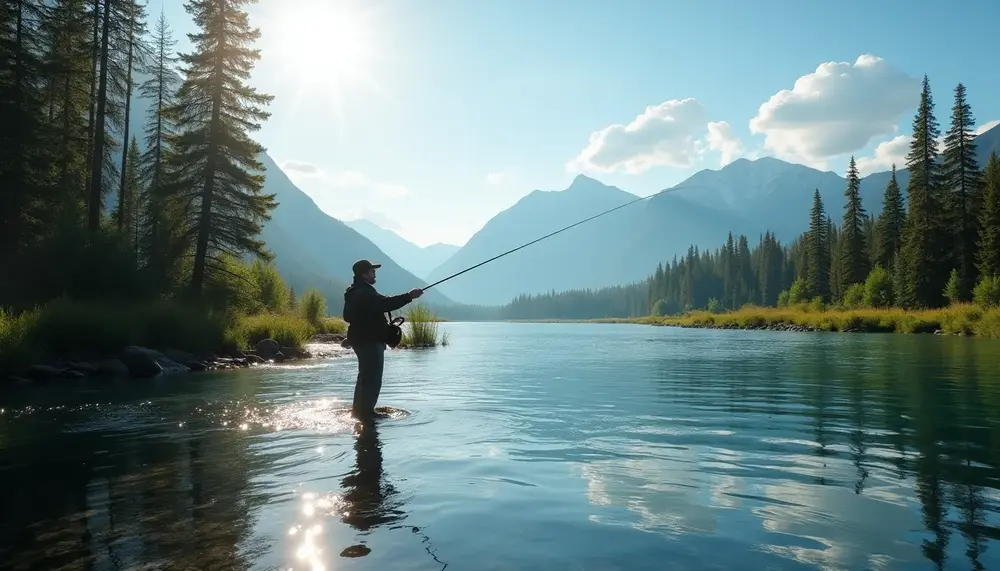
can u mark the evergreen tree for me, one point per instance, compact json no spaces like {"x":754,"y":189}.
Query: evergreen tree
{"x":963,"y":181}
{"x":214,"y":111}
{"x":989,"y":221}
{"x":23,"y":158}
{"x":127,"y":215}
{"x":137,"y":52}
{"x":100,"y":143}
{"x":853,"y":255}
{"x":818,"y":251}
{"x":922,"y":249}
{"x":890,"y":222}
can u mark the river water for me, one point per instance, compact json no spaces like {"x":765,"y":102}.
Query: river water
{"x":525,"y":446}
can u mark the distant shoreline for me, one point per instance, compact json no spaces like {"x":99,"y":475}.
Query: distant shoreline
{"x":962,"y":319}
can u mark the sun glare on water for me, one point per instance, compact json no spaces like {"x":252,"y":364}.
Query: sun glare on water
{"x":329,"y":44}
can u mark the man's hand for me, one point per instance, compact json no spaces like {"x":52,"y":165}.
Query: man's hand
{"x":416,"y":292}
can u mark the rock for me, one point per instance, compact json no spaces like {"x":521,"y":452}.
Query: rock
{"x":142,"y":362}
{"x":327,"y":338}
{"x":279,"y":357}
{"x":237,"y":354}
{"x":111,"y":368}
{"x":71,"y":374}
{"x":255,"y":359}
{"x":43,"y":372}
{"x":267,"y":348}
{"x":197,"y":366}
{"x":290,"y":352}
{"x":87,"y":369}
{"x":179,"y":356}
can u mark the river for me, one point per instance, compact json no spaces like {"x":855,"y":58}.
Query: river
{"x":525,"y":446}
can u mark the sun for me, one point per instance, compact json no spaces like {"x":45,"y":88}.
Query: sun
{"x":326,"y":43}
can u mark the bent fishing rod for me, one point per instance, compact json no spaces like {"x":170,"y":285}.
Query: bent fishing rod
{"x":549,"y":235}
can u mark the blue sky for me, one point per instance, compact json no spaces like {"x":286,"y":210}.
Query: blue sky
{"x":445,"y":112}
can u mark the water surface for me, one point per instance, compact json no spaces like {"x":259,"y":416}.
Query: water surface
{"x":525,"y":446}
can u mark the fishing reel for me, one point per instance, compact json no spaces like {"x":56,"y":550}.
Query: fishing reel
{"x":394,"y":335}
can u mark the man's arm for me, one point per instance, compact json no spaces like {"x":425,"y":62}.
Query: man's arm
{"x":388,"y":303}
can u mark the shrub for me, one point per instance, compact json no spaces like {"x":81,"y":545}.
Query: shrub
{"x":854,"y":297}
{"x":952,"y":290}
{"x":313,"y":306}
{"x":783,"y":298}
{"x":987,"y":292}
{"x":878,"y":288}
{"x":659,"y":308}
{"x":421,"y":328}
{"x":714,"y":306}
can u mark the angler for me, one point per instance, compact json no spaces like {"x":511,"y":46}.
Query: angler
{"x":369,"y":332}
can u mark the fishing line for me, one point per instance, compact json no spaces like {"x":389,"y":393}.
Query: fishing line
{"x":549,"y":235}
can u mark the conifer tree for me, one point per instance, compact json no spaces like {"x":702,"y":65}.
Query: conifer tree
{"x":989,"y":221}
{"x":922,"y":248}
{"x":22,"y":134}
{"x":136,"y":53}
{"x":214,"y":111}
{"x":818,"y":251}
{"x":853,"y":255}
{"x":100,"y":143}
{"x":127,"y":215}
{"x":963,"y":185}
{"x":890,"y":223}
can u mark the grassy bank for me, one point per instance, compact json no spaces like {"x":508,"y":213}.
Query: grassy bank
{"x":962,"y":319}
{"x":421,"y":328}
{"x":86,"y":330}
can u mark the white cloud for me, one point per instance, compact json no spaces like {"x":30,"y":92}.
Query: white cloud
{"x":837,"y":109}
{"x":722,"y":139}
{"x":348,"y":181}
{"x":496,"y":178}
{"x":896,"y":149}
{"x":664,"y":134}
{"x":886,"y":154}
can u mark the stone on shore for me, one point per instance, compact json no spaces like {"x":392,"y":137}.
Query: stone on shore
{"x":143,"y":363}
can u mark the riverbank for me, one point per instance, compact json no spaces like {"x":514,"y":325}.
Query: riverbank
{"x":76,"y":339}
{"x":963,"y":319}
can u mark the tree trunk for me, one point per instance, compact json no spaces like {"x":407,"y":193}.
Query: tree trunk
{"x":97,"y":166}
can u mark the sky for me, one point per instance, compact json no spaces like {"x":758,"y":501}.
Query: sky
{"x":428,"y":117}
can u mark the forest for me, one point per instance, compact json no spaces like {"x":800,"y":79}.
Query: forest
{"x":934,"y":245}
{"x":111,"y":237}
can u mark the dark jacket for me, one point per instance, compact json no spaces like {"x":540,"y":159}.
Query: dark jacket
{"x":365,"y":309}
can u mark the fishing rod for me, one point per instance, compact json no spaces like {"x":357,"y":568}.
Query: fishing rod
{"x":549,"y":235}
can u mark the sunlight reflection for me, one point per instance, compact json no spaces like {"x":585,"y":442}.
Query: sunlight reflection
{"x":310,"y":546}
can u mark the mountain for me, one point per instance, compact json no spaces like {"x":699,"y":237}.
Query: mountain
{"x":312,"y":249}
{"x":417,"y":260}
{"x":745,"y":196}
{"x":561,"y":262}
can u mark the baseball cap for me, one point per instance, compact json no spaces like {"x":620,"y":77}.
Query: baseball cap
{"x":362,"y":266}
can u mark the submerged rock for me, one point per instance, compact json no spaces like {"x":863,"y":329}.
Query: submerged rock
{"x":142,"y":362}
{"x":267,"y":348}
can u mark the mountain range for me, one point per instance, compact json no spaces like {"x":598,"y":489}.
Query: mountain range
{"x":313,"y":249}
{"x":745,"y":196}
{"x":415,"y":259}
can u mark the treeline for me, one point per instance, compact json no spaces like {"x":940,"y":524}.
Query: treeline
{"x":938,"y":244}
{"x":188,"y":204}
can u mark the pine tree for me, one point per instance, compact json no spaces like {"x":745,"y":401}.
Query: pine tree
{"x":853,"y":255}
{"x":963,"y":183}
{"x":989,"y":221}
{"x":137,"y":53}
{"x":67,"y":31}
{"x":922,"y":248}
{"x":818,"y":251}
{"x":23,"y":157}
{"x":890,"y":222}
{"x":98,"y":154}
{"x":215,"y":109}
{"x":127,"y":215}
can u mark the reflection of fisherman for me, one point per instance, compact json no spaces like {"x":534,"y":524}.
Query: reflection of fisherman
{"x":364,"y":311}
{"x":365,"y":493}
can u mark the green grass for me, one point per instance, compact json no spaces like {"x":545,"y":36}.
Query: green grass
{"x":421,"y":329}
{"x":87,"y":330}
{"x":963,"y":319}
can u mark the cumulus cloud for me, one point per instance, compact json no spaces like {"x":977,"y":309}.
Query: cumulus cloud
{"x":722,"y":139}
{"x":496,"y":178}
{"x":896,"y":149}
{"x":348,"y":181}
{"x":837,"y":109}
{"x":887,"y":153}
{"x":662,"y":135}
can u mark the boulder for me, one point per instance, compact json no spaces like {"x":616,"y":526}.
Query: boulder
{"x":267,"y":348}
{"x":43,"y":372}
{"x":196,"y":366}
{"x":87,"y":369}
{"x":179,"y":356}
{"x":290,"y":352}
{"x":111,"y":368}
{"x":142,"y":362}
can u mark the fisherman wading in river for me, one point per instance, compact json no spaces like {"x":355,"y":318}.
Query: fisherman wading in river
{"x":365,"y":312}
